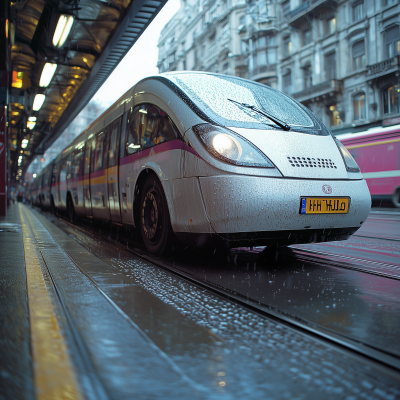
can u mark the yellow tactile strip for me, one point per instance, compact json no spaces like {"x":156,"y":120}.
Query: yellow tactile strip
{"x":54,"y":375}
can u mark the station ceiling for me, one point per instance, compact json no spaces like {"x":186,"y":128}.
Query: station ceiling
{"x":101,"y":33}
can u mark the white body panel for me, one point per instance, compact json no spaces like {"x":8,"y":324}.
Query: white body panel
{"x":251,"y":204}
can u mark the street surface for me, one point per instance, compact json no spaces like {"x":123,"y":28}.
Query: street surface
{"x":320,"y":321}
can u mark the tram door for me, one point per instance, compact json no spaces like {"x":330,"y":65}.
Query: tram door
{"x":112,"y":171}
{"x":86,"y":179}
{"x":98,"y":177}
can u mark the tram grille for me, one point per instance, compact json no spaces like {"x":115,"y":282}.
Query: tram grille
{"x":309,"y":162}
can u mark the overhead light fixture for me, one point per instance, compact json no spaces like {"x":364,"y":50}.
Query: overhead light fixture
{"x":31,"y":124}
{"x":32,"y":119}
{"x":47,"y":74}
{"x":24,"y":143}
{"x":63,"y":28}
{"x":38,"y":102}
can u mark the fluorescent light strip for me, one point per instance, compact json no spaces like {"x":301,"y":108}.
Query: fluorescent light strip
{"x":63,"y":29}
{"x":47,"y":74}
{"x":38,"y":102}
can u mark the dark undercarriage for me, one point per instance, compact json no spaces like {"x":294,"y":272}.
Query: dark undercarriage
{"x":280,"y":238}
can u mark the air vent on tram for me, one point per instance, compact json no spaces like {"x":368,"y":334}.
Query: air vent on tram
{"x":311,"y":162}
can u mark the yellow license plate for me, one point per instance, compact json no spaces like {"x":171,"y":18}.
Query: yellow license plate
{"x":324,"y":205}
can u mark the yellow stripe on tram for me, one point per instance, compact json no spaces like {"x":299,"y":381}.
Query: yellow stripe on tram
{"x":357,"y":146}
{"x":54,"y":376}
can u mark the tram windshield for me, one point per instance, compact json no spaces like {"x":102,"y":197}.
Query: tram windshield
{"x":213,"y":94}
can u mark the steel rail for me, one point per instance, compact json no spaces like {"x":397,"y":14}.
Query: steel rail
{"x":357,"y":349}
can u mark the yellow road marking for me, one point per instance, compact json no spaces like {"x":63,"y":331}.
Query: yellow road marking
{"x":54,"y":376}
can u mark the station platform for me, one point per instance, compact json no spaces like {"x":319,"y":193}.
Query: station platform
{"x":84,"y":319}
{"x":62,"y":337}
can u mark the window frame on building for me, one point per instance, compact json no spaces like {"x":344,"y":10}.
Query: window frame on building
{"x":287,"y":46}
{"x":357,"y":10}
{"x":358,"y":56}
{"x":307,"y":36}
{"x":359,"y":112}
{"x":330,"y":65}
{"x":391,"y":39}
{"x":386,"y":106}
{"x":330,"y":27}
{"x":287,"y":82}
{"x":307,"y":76}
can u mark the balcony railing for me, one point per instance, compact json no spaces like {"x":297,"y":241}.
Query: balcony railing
{"x":269,"y":70}
{"x":315,"y":6}
{"x":319,"y":90}
{"x":384,"y":67}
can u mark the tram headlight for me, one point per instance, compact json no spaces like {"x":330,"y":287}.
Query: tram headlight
{"x":227,"y":146}
{"x":348,"y":159}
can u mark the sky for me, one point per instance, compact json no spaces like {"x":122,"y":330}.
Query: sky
{"x":139,"y":62}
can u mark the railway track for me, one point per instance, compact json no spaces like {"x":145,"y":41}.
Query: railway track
{"x":357,"y":348}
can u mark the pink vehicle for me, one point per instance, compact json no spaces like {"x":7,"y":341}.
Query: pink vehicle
{"x":378,"y":156}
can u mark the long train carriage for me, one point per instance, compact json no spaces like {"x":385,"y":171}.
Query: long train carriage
{"x":212,"y":159}
{"x":377,"y":152}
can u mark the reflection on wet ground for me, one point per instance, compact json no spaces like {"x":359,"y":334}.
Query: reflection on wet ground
{"x":240,"y":353}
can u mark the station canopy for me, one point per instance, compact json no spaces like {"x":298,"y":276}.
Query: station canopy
{"x":61,"y":53}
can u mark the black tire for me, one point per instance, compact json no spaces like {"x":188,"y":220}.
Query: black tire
{"x":155,"y":225}
{"x":396,"y":197}
{"x":70,"y":210}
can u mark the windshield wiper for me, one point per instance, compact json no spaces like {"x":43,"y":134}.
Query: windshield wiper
{"x":277,"y":121}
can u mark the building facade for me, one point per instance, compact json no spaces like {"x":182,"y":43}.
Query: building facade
{"x":340,"y":58}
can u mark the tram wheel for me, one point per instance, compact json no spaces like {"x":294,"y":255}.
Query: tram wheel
{"x":396,"y":197}
{"x":155,"y":225}
{"x":70,"y":210}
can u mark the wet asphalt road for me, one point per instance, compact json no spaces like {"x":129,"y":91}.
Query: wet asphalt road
{"x":357,"y":305}
{"x":184,"y":341}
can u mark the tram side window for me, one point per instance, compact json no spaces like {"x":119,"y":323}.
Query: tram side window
{"x":98,"y":156}
{"x":87,"y":158}
{"x":77,"y":163}
{"x":148,"y":126}
{"x":113,"y":142}
{"x":63,"y":169}
{"x":54,"y":175}
{"x":133,"y":132}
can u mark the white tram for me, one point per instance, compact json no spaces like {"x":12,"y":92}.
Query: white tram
{"x":212,"y":159}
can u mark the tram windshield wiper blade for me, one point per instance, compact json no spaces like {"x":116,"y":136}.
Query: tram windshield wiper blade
{"x":277,"y":121}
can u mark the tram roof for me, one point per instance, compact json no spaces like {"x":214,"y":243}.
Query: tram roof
{"x":103,"y":31}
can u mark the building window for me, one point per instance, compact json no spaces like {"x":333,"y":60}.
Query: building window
{"x":335,"y":116}
{"x":261,"y":42}
{"x":254,"y":60}
{"x":287,"y":46}
{"x":330,"y":26}
{"x":287,"y":83}
{"x":225,"y":67}
{"x":392,"y":42}
{"x":391,"y":100}
{"x":271,"y":41}
{"x":307,"y":74}
{"x":244,"y":47}
{"x":359,"y":55}
{"x":330,"y":66}
{"x":359,"y":106}
{"x":271,"y":56}
{"x":388,"y":2}
{"x":358,"y":10}
{"x":307,"y":36}
{"x":262,"y":58}
{"x":286,"y":10}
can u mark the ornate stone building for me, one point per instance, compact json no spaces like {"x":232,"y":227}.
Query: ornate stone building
{"x":340,"y":58}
